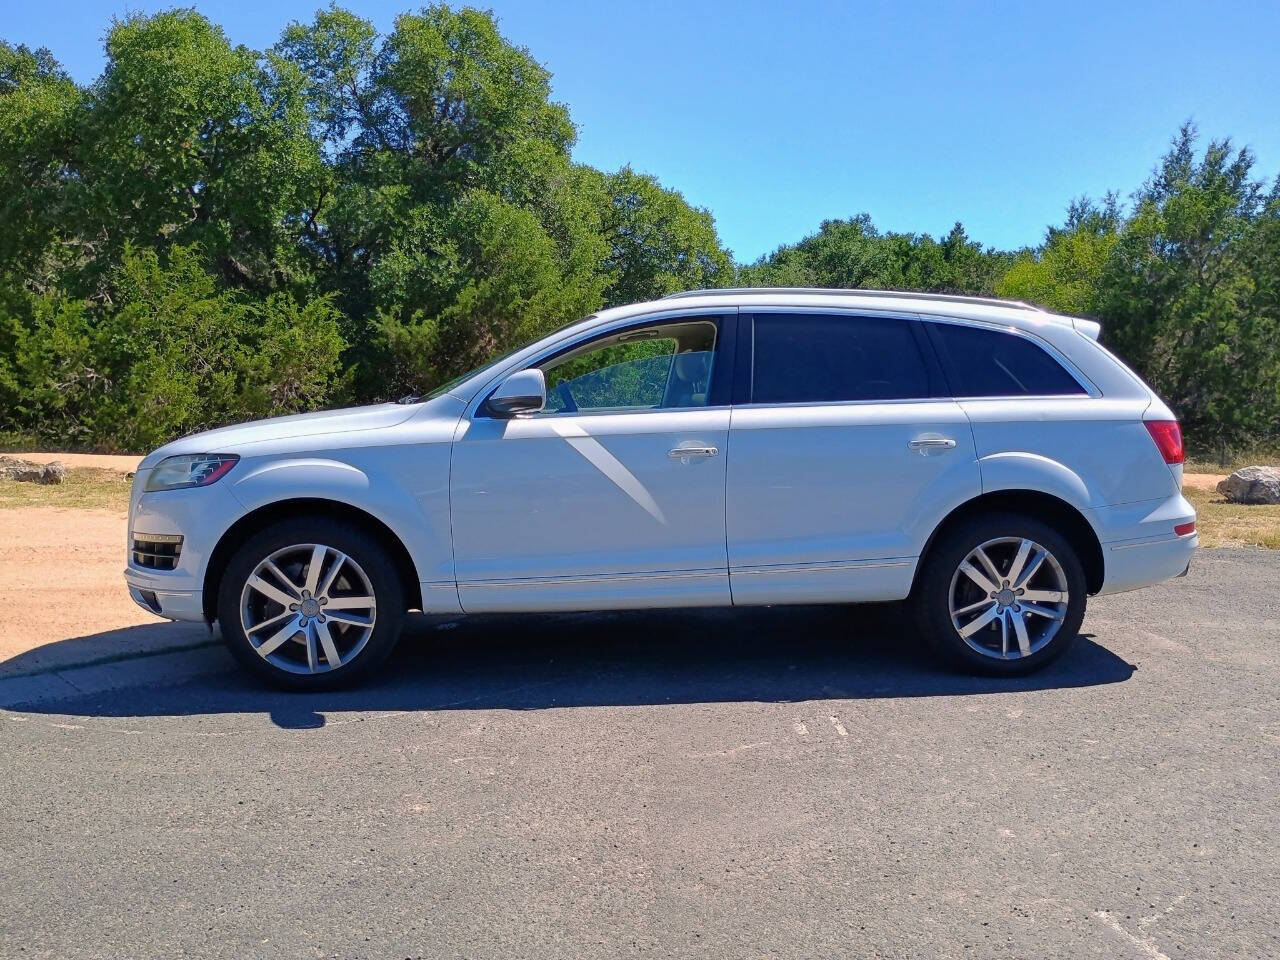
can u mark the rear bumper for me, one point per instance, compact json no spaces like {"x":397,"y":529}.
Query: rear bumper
{"x":1133,"y":565}
{"x":1143,"y":548}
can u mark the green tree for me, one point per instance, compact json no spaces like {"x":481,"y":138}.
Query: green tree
{"x":853,"y":254}
{"x":174,"y":352}
{"x":658,"y":243}
{"x":453,"y":294}
{"x":460,"y":225}
{"x":188,"y":140}
{"x":439,"y":134}
{"x":1064,"y":274}
{"x":1188,"y":293}
{"x":41,"y":111}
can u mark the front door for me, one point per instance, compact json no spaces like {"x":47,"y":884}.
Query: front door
{"x":613,"y":496}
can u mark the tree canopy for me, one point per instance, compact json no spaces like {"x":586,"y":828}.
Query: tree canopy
{"x":206,"y":233}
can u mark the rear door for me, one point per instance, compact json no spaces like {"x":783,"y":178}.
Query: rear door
{"x":845,"y":454}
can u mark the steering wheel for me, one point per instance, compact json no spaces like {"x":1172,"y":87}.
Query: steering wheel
{"x":570,"y":405}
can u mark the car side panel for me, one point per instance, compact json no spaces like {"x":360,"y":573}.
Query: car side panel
{"x":398,"y":473}
{"x":1095,"y":454}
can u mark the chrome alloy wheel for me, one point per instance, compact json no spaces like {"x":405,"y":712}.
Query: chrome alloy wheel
{"x":1008,"y":598}
{"x":308,"y":608}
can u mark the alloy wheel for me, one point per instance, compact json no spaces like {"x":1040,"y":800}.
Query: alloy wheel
{"x":1008,"y":598}
{"x":308,"y":608}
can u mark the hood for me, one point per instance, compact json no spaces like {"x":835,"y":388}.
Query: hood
{"x":232,"y":439}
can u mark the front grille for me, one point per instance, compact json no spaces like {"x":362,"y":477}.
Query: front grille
{"x":156,"y":551}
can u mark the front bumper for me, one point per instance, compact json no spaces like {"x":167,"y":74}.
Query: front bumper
{"x":159,"y":599}
{"x":200,"y":515}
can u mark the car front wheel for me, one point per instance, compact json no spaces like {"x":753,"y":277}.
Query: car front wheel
{"x":311,"y":604}
{"x":1001,"y":594}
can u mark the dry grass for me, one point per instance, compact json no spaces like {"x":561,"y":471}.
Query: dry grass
{"x":1221,"y":524}
{"x":84,"y":488}
{"x":1256,"y":458}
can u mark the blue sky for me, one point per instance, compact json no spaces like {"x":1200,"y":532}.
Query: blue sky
{"x":777,"y":116}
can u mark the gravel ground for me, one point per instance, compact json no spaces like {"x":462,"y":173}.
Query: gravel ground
{"x":783,"y":783}
{"x":61,"y":577}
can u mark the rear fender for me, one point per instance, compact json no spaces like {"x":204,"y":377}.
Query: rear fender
{"x":1030,"y":471}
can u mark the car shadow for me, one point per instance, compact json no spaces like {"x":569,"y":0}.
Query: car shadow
{"x":782,"y":655}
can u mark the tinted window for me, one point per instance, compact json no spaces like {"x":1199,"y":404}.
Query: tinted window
{"x":808,"y":357}
{"x":987,"y":363}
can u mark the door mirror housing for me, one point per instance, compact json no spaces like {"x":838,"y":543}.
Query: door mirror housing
{"x":523,"y":392}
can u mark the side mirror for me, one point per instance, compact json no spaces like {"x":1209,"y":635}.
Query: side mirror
{"x":522,"y":392}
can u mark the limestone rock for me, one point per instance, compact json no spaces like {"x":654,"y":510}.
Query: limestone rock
{"x":27,"y":472}
{"x":1252,"y":485}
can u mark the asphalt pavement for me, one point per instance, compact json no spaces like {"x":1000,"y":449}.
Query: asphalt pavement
{"x":763,"y":783}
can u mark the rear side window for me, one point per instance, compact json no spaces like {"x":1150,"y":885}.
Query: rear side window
{"x":827,"y":358}
{"x":988,"y":363}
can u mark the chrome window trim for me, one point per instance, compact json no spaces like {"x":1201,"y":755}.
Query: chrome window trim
{"x":623,"y":412}
{"x":845,"y":403}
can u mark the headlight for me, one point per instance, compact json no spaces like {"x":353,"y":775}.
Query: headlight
{"x":190,"y":470}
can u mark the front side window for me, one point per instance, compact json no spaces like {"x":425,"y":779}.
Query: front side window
{"x":990,"y":363}
{"x":663,"y":366}
{"x":829,"y":358}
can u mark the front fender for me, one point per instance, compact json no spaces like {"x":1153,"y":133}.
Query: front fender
{"x":302,"y":477}
{"x":375,"y":481}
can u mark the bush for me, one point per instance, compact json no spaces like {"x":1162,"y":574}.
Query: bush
{"x":171,"y":354}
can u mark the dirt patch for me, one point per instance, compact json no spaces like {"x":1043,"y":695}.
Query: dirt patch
{"x":61,"y":576}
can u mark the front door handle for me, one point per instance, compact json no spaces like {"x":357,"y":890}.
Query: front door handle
{"x":693,"y":451}
{"x":924,"y":444}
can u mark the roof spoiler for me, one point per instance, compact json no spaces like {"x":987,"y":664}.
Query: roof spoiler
{"x":1090,"y":328}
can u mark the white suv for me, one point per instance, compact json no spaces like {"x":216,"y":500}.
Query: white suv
{"x":986,"y":461}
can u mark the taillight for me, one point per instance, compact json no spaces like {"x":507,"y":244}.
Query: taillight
{"x":1168,"y":437}
{"x":1182,"y":529}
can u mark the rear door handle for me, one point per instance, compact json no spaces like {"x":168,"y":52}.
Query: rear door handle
{"x":693,"y":451}
{"x":932,"y":443}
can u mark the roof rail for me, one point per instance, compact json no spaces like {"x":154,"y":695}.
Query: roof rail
{"x":836,"y":292}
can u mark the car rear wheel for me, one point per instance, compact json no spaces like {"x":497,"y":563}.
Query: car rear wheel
{"x":311,"y":604}
{"x":1001,"y":594}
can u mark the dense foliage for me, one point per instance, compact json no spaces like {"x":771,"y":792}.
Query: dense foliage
{"x":208,"y":233}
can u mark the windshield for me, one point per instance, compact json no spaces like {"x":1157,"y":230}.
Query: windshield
{"x":446,"y":387}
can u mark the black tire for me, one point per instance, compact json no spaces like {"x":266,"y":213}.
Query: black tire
{"x":367,"y":650}
{"x":931,"y":598}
